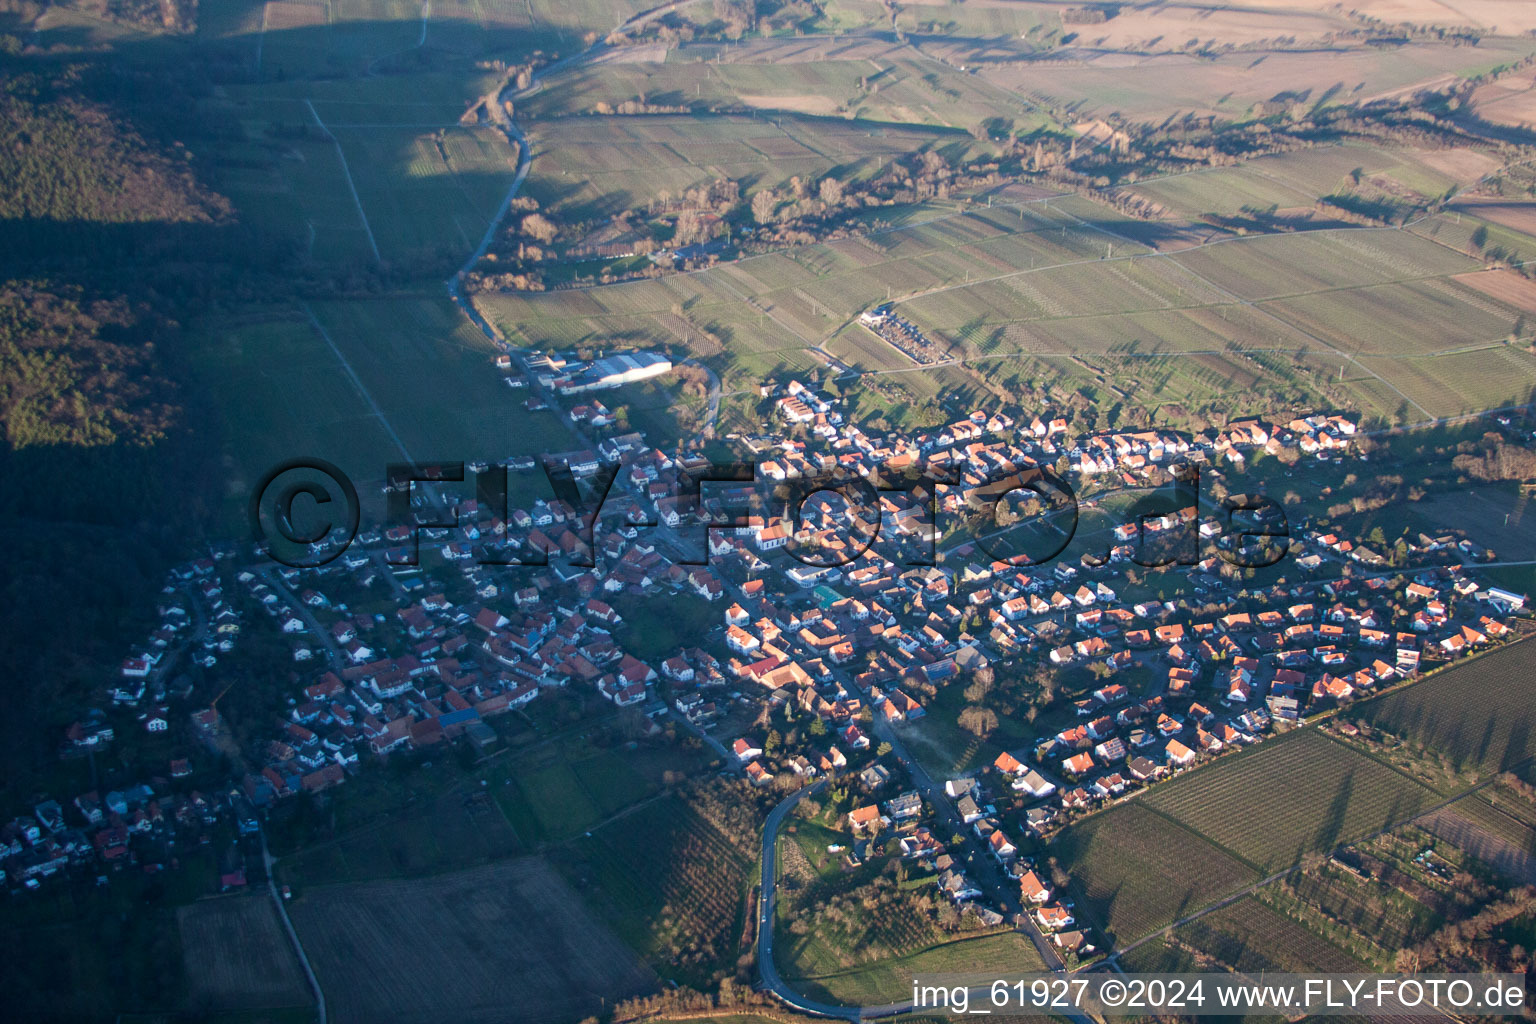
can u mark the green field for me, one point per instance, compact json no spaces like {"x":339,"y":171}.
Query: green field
{"x":1022,"y":295}
{"x":585,"y":167}
{"x":886,"y":980}
{"x":1138,"y":871}
{"x":1152,"y":87}
{"x":454,"y":831}
{"x":867,"y":79}
{"x":1479,"y":713}
{"x":426,"y":187}
{"x":407,"y":371}
{"x":552,"y":795}
{"x":1292,"y":795}
{"x":305,"y":39}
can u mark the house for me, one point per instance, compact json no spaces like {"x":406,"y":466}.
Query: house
{"x":1054,"y":918}
{"x":921,"y":843}
{"x":969,"y":810}
{"x":1179,"y":754}
{"x":746,"y":750}
{"x":958,"y":887}
{"x":864,"y":819}
{"x":907,"y":805}
{"x":758,"y":775}
{"x":1001,"y":848}
{"x":1031,"y":889}
{"x":1108,"y":785}
{"x":1035,"y":784}
{"x":875,"y":776}
{"x":956,"y":788}
{"x":1077,"y":764}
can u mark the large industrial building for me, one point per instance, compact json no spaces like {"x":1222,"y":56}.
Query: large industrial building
{"x":612,"y":371}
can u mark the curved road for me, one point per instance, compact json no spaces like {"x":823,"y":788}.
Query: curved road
{"x":769,"y":971}
{"x":773,"y":982}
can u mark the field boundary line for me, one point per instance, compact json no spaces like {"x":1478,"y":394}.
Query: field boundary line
{"x":358,"y":383}
{"x":293,"y":936}
{"x":1371,"y":755}
{"x":261,"y":38}
{"x":356,"y":199}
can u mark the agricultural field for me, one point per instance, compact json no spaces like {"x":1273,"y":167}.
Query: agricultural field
{"x":460,"y":829}
{"x":862,"y":78}
{"x":1250,"y":937}
{"x":669,"y":883}
{"x":1315,"y":794}
{"x":1151,"y":87}
{"x":551,"y":798}
{"x":366,"y":169}
{"x":285,"y":40}
{"x":1001,"y":954}
{"x":508,"y":935}
{"x":238,"y":955}
{"x":1138,"y":871}
{"x":1022,"y":295}
{"x":586,"y":167}
{"x":1158,"y":955}
{"x":1477,"y":712}
{"x":1366,"y":914}
{"x":376,"y":379}
{"x":1510,"y":100}
{"x":1490,"y":833}
{"x":1294,"y":181}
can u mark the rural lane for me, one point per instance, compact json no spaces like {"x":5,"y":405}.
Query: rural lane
{"x":298,"y":947}
{"x":509,"y":125}
{"x":768,"y":971}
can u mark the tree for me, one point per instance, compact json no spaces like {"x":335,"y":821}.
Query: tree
{"x":763,"y":205}
{"x":883,"y":749}
{"x":831,"y":191}
{"x":980,"y":722}
{"x":540,"y":228}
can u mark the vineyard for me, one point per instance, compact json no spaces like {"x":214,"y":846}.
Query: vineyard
{"x":1365,"y":914}
{"x":1291,"y":796}
{"x":831,"y":927}
{"x":1491,"y":834}
{"x":1479,"y":712}
{"x":672,"y":885}
{"x":1137,"y":871}
{"x":1250,"y":937}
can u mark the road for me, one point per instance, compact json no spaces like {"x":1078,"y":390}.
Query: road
{"x":712,"y":419}
{"x":515,"y":134}
{"x":282,"y":912}
{"x":768,"y":970}
{"x":979,"y":864}
{"x":271,"y":578}
{"x":772,"y":981}
{"x":731,"y":760}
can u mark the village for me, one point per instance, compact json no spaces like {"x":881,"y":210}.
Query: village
{"x":858,"y":639}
